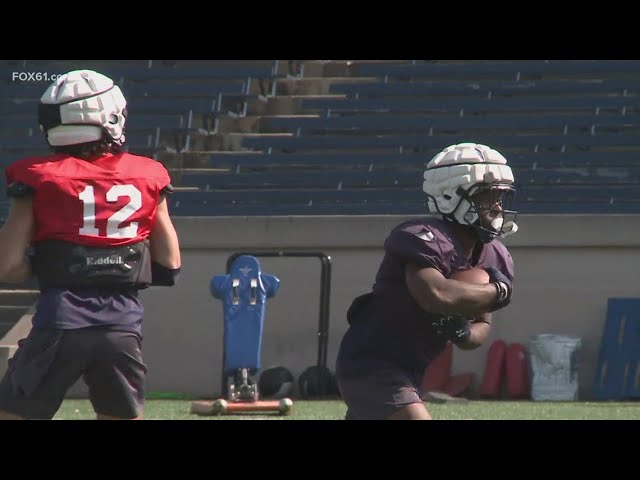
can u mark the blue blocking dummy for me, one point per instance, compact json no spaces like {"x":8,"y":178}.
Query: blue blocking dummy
{"x":244,"y":292}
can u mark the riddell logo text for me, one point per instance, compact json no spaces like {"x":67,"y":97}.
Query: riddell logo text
{"x":111,"y":260}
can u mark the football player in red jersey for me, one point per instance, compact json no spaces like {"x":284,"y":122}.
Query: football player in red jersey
{"x":415,"y":306}
{"x":91,"y":223}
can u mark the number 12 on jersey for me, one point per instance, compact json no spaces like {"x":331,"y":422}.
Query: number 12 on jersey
{"x":88,"y":199}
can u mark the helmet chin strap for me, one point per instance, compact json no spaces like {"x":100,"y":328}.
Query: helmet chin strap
{"x":484,"y":234}
{"x":475,"y":229}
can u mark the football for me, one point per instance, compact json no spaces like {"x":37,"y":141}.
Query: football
{"x":473,"y":275}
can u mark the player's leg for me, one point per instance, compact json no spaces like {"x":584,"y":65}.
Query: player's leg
{"x":412,"y":411}
{"x":385,"y":393}
{"x":4,"y":415}
{"x":116,"y":378}
{"x":349,"y":415}
{"x":102,"y":416}
{"x":46,"y":364}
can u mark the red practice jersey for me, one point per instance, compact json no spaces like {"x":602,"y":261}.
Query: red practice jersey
{"x":110,"y":201}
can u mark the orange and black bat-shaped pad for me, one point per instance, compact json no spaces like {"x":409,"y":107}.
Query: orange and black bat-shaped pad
{"x":225,"y":407}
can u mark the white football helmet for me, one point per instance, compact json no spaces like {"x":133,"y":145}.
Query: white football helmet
{"x":460,"y":171}
{"x":82,"y":106}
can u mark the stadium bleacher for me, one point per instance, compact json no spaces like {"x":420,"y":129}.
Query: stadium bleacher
{"x":507,"y":70}
{"x":483,"y":88}
{"x":516,"y":104}
{"x":569,"y":128}
{"x":431,"y":124}
{"x":429,"y":143}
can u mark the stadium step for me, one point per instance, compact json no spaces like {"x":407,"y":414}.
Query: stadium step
{"x":283,"y":104}
{"x":14,"y":303}
{"x":324,"y":68}
{"x":315,"y":85}
{"x":234,"y":141}
{"x":229,"y":123}
{"x":174,"y":161}
{"x":178,"y":173}
{"x":266,"y":122}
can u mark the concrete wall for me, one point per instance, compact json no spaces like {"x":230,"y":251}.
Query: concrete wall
{"x":566,"y":268}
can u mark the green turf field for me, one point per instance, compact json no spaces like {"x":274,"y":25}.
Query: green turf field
{"x":335,"y":409}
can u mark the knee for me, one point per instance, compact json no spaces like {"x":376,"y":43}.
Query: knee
{"x":4,"y":415}
{"x":412,"y":411}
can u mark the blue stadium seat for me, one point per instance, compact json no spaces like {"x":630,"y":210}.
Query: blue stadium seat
{"x":170,"y":105}
{"x":20,"y":91}
{"x":203,"y":96}
{"x":484,"y":88}
{"x":287,"y":210}
{"x":7,"y":67}
{"x":531,"y":103}
{"x":435,"y":142}
{"x":333,"y":179}
{"x":24,"y":123}
{"x":241,"y":161}
{"x":16,"y":106}
{"x":601,"y":175}
{"x":141,"y":143}
{"x":209,"y":88}
{"x":577,"y":208}
{"x":365,"y":201}
{"x":286,"y":202}
{"x":505,"y":69}
{"x":602,"y":193}
{"x":146,"y":121}
{"x":223,"y":69}
{"x":602,"y":158}
{"x":301,"y":125}
{"x":11,"y":143}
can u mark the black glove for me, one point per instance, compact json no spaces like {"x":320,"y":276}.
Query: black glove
{"x":454,"y":328}
{"x":503,"y":285}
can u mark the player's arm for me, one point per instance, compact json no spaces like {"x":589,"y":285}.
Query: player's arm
{"x":435,"y":293}
{"x":15,"y":237}
{"x":165,"y":247}
{"x":479,"y":332}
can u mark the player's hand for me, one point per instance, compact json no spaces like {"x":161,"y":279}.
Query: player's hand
{"x":504,"y":287}
{"x":454,"y":328}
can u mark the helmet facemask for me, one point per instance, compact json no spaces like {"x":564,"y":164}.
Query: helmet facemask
{"x":486,"y":210}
